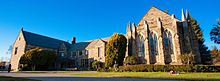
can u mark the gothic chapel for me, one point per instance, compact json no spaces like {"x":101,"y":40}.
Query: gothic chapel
{"x":160,"y":38}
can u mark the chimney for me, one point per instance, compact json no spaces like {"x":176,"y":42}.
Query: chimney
{"x":74,"y":40}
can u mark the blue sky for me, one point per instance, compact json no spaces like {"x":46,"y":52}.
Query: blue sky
{"x":91,"y":19}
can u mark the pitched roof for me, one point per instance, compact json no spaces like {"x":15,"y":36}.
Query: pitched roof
{"x":79,"y":46}
{"x":96,"y":42}
{"x":42,"y":41}
{"x":105,"y":39}
{"x":152,"y":14}
{"x":92,"y":44}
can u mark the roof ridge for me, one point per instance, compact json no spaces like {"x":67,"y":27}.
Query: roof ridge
{"x":97,"y":39}
{"x":42,"y":41}
{"x":156,"y":9}
{"x":44,"y":36}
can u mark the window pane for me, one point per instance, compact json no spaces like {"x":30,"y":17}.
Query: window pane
{"x":16,"y":49}
{"x":98,"y":52}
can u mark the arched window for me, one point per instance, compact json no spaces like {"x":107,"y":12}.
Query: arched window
{"x":141,"y":47}
{"x":170,"y":43}
{"x":153,"y":44}
{"x":167,"y":40}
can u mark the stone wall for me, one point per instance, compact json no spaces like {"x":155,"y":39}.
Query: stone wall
{"x":93,"y":51}
{"x":20,"y":44}
{"x":156,"y":21}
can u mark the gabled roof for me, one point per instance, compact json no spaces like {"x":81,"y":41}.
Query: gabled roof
{"x":152,"y":14}
{"x":105,"y":39}
{"x":42,"y":41}
{"x":97,"y":42}
{"x":79,"y":46}
{"x":92,"y":44}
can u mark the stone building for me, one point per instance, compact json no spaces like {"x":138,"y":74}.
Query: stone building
{"x":160,"y":38}
{"x":70,"y":55}
{"x":27,"y":40}
{"x":87,"y":52}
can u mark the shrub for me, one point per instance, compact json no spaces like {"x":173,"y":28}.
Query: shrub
{"x":96,"y":65}
{"x":38,"y":57}
{"x":130,"y":60}
{"x":167,"y":68}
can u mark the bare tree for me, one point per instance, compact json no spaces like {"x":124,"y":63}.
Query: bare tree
{"x":9,"y":50}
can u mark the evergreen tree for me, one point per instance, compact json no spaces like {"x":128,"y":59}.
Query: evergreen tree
{"x":215,"y":33}
{"x":203,"y":49}
{"x":115,"y":50}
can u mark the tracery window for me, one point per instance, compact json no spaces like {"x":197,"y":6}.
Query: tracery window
{"x":168,"y":44}
{"x":141,"y":47}
{"x":153,"y":44}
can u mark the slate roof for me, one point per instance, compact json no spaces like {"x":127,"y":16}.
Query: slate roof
{"x":94,"y":42}
{"x":79,"y":46}
{"x":42,"y":41}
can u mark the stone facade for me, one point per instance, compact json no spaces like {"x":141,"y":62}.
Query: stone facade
{"x":88,"y":52}
{"x":76,"y":55}
{"x":96,"y":50}
{"x":17,"y":51}
{"x":159,"y":38}
{"x":24,"y":42}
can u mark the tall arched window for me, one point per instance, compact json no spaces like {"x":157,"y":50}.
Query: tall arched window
{"x":170,"y":43}
{"x":141,"y":48}
{"x":153,"y":44}
{"x":167,"y":40}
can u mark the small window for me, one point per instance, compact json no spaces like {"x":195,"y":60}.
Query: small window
{"x":62,"y":54}
{"x":80,"y":53}
{"x":19,"y":38}
{"x":84,"y":63}
{"x":87,"y":52}
{"x":16,"y":49}
{"x":98,"y":51}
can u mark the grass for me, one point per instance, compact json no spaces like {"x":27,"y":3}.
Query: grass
{"x":48,"y":71}
{"x":158,"y":75}
{"x":6,"y":78}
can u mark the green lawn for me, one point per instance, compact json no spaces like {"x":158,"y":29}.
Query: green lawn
{"x":158,"y":75}
{"x":6,"y":78}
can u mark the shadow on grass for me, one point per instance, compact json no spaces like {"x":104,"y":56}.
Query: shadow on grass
{"x":7,"y":78}
{"x":114,"y":79}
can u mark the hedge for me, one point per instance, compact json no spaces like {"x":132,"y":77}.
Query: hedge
{"x":167,"y":68}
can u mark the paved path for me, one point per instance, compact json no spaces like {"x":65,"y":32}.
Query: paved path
{"x":59,"y":76}
{"x":95,"y":79}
